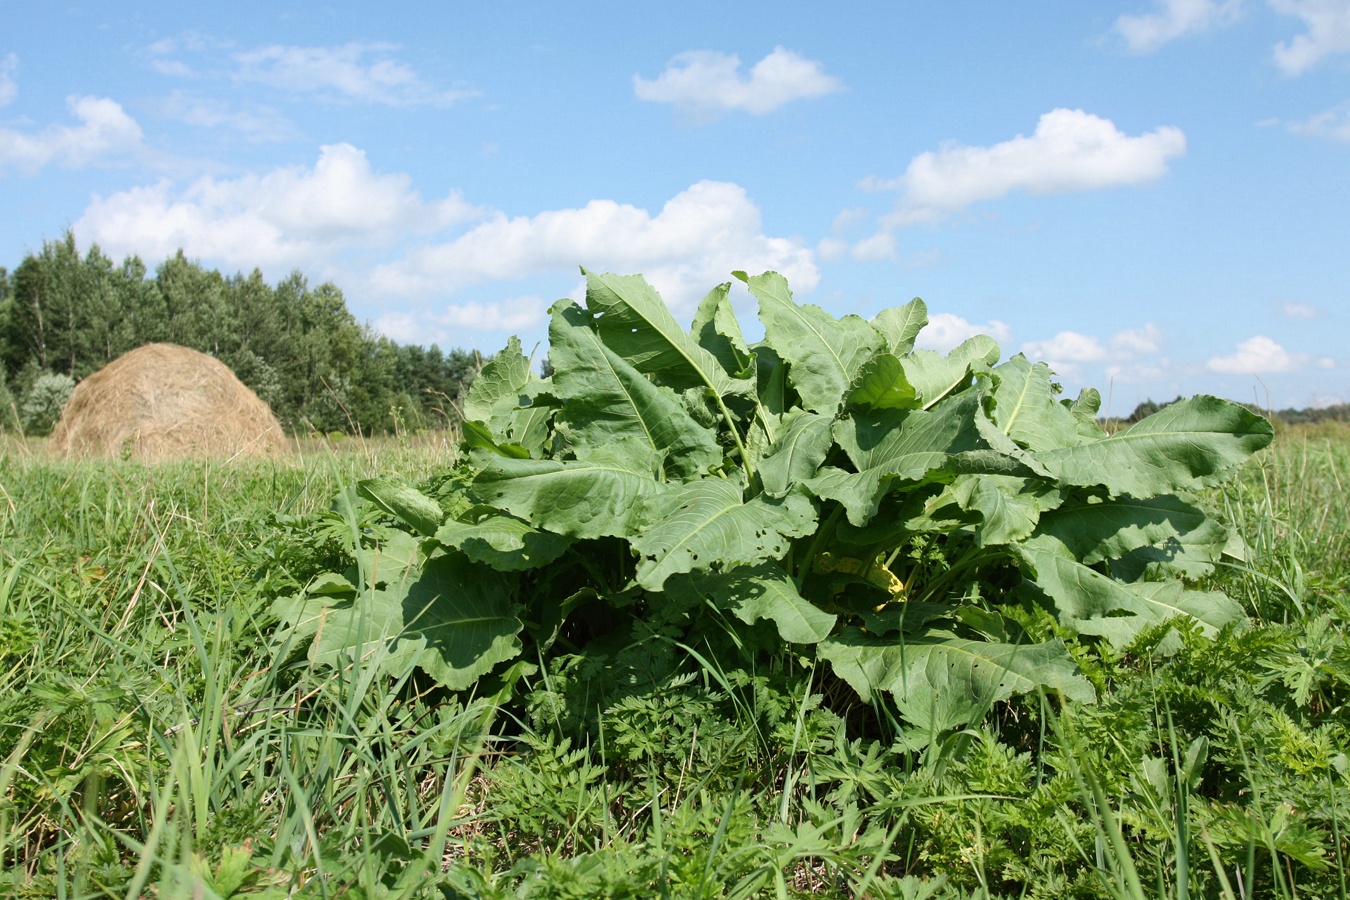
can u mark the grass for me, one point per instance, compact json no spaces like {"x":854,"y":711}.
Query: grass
{"x":156,"y":740}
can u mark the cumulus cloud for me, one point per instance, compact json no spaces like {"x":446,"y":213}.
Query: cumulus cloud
{"x":945,"y":331}
{"x":340,"y":218}
{"x":1328,"y":24}
{"x":104,"y":130}
{"x":1256,"y":356}
{"x":360,"y":72}
{"x":1067,"y":351}
{"x":9,"y":87}
{"x":290,"y":216}
{"x":1174,"y":18}
{"x":705,"y":82}
{"x":1071,"y":150}
{"x":697,"y":239}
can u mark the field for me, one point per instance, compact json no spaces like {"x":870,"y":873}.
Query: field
{"x":160,"y":737}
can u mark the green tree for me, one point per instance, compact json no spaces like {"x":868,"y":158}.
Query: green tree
{"x":198,"y":315}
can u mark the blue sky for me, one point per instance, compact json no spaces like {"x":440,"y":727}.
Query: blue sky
{"x":1153,"y":195}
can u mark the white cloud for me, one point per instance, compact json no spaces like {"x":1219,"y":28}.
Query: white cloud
{"x":879,"y":246}
{"x":1133,"y":342}
{"x":1328,"y":23}
{"x":9,"y":88}
{"x":1301,"y":310}
{"x":294,"y":216}
{"x":945,"y":331}
{"x":697,"y":239}
{"x":1256,"y":356}
{"x":1334,"y":124}
{"x":104,"y":130}
{"x":364,"y":73}
{"x":342,"y":219}
{"x":1067,"y":351}
{"x":706,"y":82}
{"x":450,"y":324}
{"x":1071,"y":150}
{"x":832,"y":248}
{"x":875,"y":248}
{"x":1174,"y":18}
{"x":261,"y":123}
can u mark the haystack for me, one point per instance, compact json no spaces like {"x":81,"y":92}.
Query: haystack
{"x":163,"y":401}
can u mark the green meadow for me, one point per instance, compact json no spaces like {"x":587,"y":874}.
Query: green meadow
{"x":161,"y":736}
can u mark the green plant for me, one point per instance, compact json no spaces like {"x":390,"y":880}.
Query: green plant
{"x":880,"y":504}
{"x":44,"y":401}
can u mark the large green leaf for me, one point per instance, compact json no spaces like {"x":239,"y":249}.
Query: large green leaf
{"x":716,"y":330}
{"x":605,"y":399}
{"x":804,"y":440}
{"x":499,"y":388}
{"x":935,"y":376}
{"x":941,"y":681}
{"x":894,"y":444}
{"x":402,"y":500}
{"x":757,"y":592}
{"x":583,"y":498}
{"x":697,"y":525}
{"x":825,"y":354}
{"x":453,"y":619}
{"x":901,"y":325}
{"x":636,"y":323}
{"x":1092,"y":603}
{"x":1009,"y":507}
{"x":459,"y":621}
{"x":881,"y":384}
{"x":1095,"y":529}
{"x":1025,"y":410}
{"x":1183,"y":446}
{"x":505,"y":543}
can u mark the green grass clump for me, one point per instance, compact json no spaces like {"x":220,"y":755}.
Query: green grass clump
{"x":157,"y":739}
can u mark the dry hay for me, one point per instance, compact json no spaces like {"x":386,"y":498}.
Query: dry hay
{"x":163,"y":401}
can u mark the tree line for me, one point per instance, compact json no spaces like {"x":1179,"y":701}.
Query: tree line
{"x":298,"y":347}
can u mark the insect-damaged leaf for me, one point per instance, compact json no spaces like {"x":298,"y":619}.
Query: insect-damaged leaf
{"x":941,"y":681}
{"x":605,"y":399}
{"x":695,"y":525}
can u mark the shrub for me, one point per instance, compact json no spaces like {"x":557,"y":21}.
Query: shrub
{"x":46,"y":398}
